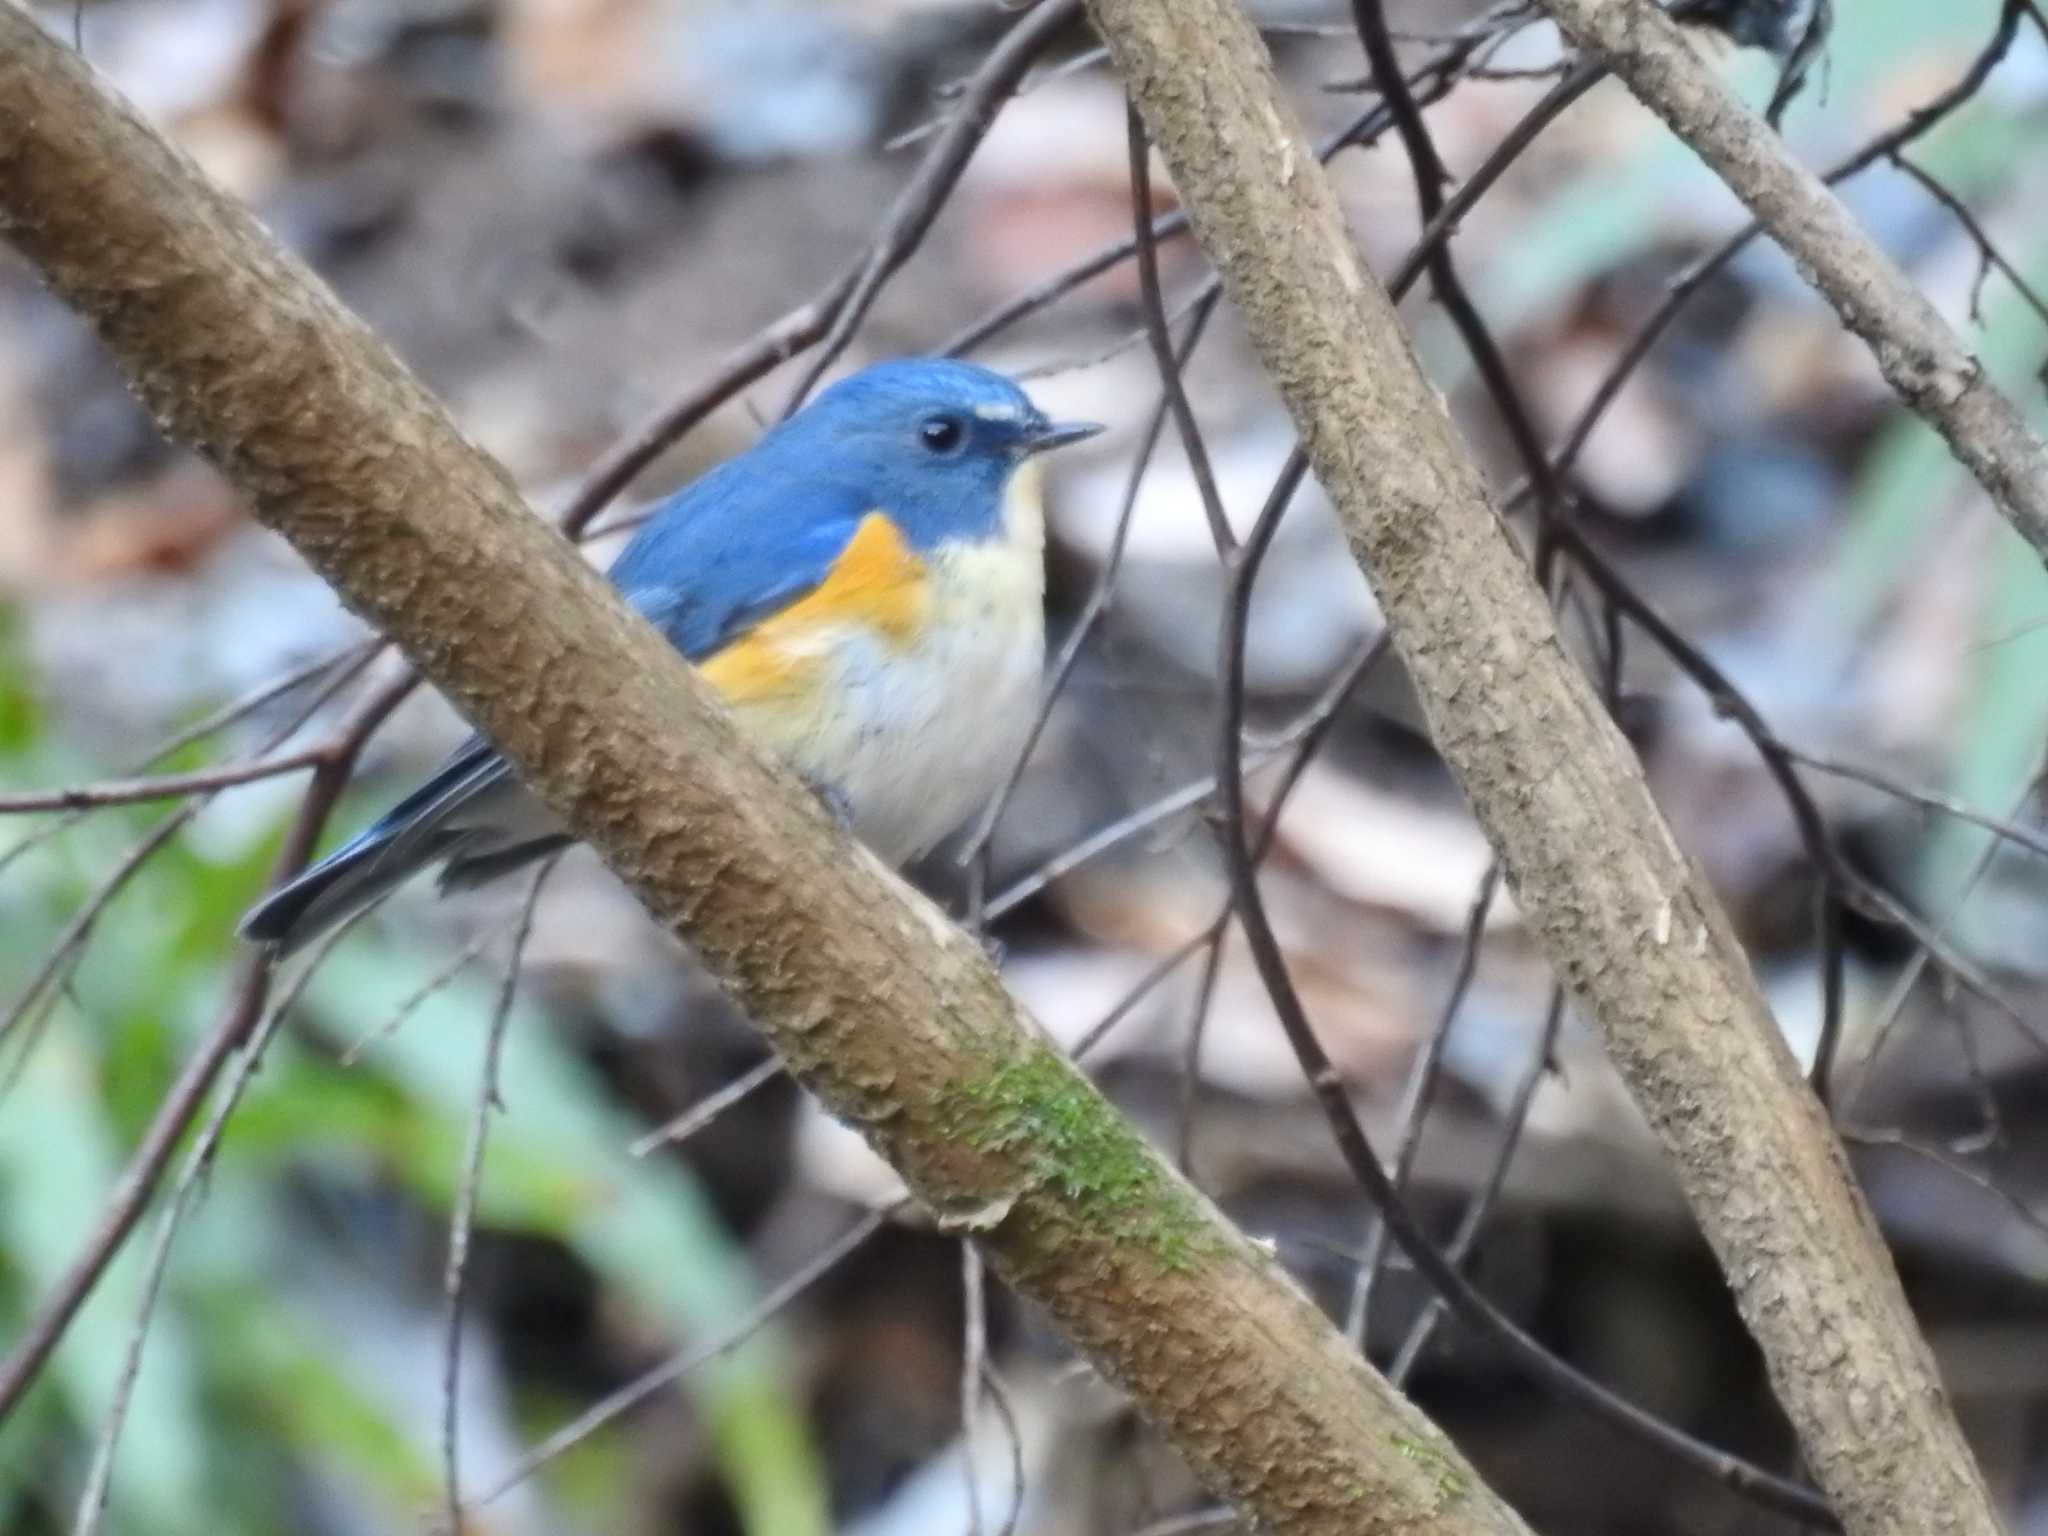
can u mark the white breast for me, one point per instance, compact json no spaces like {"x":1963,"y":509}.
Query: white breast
{"x":923,"y":738}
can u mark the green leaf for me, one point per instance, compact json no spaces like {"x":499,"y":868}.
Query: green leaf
{"x":557,"y":1166}
{"x":58,"y":1160}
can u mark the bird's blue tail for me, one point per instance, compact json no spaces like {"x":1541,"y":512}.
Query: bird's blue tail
{"x":335,"y":889}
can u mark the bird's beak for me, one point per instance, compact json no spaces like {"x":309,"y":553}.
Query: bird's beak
{"x":1058,"y":434}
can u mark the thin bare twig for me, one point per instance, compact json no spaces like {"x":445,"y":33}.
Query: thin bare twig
{"x":345,"y":667}
{"x":920,"y":201}
{"x":344,"y":663}
{"x":1927,"y":799}
{"x":455,"y":965}
{"x":464,"y":1220}
{"x":71,"y":939}
{"x":69,"y":945}
{"x":708,"y":1109}
{"x":1434,"y":79}
{"x":1948,"y":1162}
{"x":1909,"y":977}
{"x":1000,"y":1396}
{"x":92,"y":1502}
{"x":1483,"y":1199}
{"x":1080,"y":63}
{"x":1367,"y":130}
{"x":976,"y":846}
{"x":1991,"y":1127}
{"x":1947,"y":959}
{"x":973,"y":1364}
{"x":1417,"y":1094}
{"x":1199,"y":1014}
{"x":1989,"y":257}
{"x":644,"y":1386}
{"x":1154,"y":305}
{"x":80,"y":797}
{"x":1314,"y":730}
{"x":842,"y":302}
{"x":1097,"y":843}
{"x":1432,"y":82}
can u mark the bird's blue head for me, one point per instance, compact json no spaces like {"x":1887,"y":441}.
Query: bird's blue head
{"x":930,"y":442}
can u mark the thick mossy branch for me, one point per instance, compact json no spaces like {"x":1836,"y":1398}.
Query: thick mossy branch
{"x":888,"y":1013}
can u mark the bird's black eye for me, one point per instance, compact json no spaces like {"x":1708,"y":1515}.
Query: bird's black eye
{"x":941,"y":434}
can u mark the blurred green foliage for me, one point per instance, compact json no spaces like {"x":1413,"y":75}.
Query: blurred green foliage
{"x":245,"y":1392}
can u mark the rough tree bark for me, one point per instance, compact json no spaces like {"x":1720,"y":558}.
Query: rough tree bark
{"x":1920,"y":357}
{"x":1622,"y":913}
{"x":885,"y":1010}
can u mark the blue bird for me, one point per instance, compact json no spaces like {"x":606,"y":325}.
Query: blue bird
{"x":865,"y":587}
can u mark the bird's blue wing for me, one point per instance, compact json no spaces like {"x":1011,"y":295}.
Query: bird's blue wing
{"x":731,"y":549}
{"x":734,"y":547}
{"x":473,"y":766}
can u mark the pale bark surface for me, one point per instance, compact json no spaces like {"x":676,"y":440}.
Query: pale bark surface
{"x":887,"y":1012}
{"x":1922,"y":359}
{"x":1621,"y":912}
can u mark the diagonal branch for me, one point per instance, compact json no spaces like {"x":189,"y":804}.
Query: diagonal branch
{"x":1933,"y":374}
{"x":1625,"y":918}
{"x":892,"y":1016}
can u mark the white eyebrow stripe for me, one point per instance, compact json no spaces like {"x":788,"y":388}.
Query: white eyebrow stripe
{"x":996,"y":411}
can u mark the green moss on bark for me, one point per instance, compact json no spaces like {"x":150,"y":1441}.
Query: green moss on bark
{"x":1071,"y":1139}
{"x":1451,"y":1483}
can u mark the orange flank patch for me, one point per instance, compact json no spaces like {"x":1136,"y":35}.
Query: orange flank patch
{"x":877,"y":584}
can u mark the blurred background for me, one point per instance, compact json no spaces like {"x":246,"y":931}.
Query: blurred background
{"x":565,"y":214}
